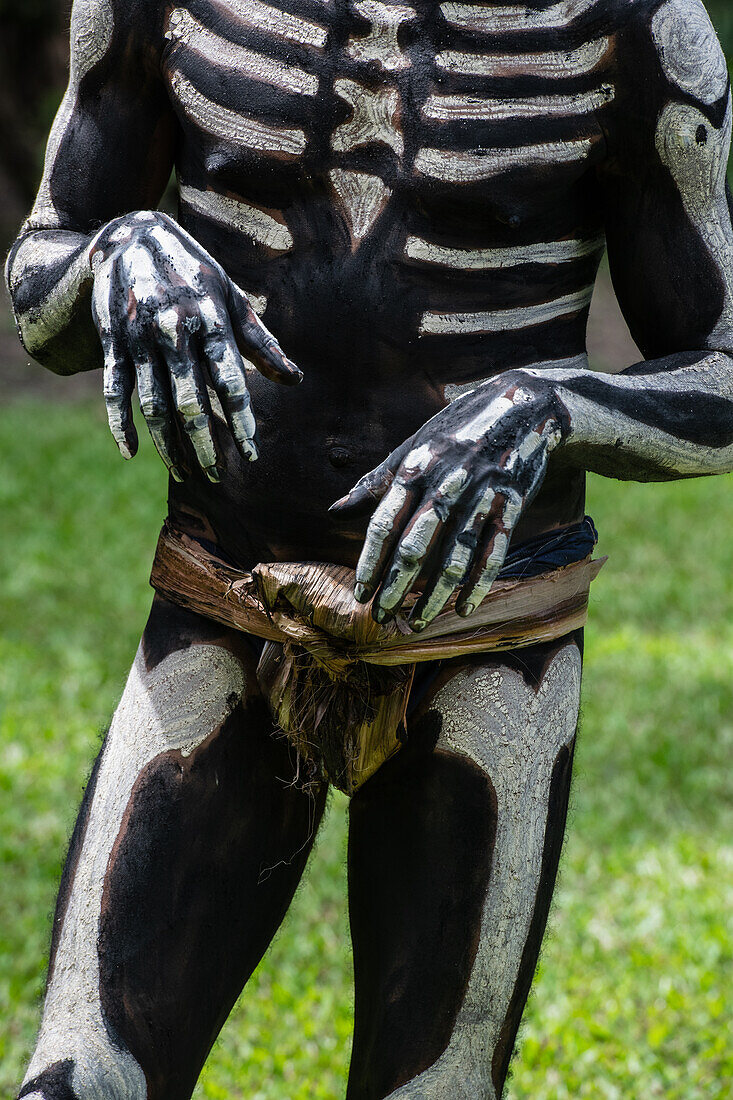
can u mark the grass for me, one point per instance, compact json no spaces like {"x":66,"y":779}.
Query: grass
{"x":634,"y":997}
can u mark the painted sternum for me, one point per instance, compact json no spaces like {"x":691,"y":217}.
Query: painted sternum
{"x":375,"y":115}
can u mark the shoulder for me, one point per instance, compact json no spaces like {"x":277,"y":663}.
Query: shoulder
{"x":103,"y":28}
{"x":675,"y":42}
{"x":671,"y":86}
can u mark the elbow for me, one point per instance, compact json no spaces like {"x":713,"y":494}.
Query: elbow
{"x":52,"y":311}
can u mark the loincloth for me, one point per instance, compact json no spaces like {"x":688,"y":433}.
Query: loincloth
{"x":338,"y":683}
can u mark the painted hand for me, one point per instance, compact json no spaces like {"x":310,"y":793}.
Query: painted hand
{"x":170,"y":318}
{"x":450,"y":497}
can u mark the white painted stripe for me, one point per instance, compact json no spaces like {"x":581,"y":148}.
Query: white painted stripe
{"x":40,"y":325}
{"x":489,"y":259}
{"x":471,"y":166}
{"x":280,"y":24}
{"x":218,"y":51}
{"x":231,"y":126}
{"x":504,"y":320}
{"x":689,"y":50}
{"x":457,"y":108}
{"x":554,"y":64}
{"x":235,"y":214}
{"x":517,"y":17}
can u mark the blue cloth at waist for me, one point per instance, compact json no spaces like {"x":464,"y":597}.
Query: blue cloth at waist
{"x":551,"y":550}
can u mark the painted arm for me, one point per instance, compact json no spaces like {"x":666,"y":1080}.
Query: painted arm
{"x":449,"y":498}
{"x":98,"y":277}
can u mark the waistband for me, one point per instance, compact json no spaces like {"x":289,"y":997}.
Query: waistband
{"x":338,"y":684}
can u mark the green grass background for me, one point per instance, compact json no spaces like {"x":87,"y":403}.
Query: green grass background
{"x":634,"y":997}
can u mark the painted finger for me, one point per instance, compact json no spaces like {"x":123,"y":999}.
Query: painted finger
{"x":119,"y":371}
{"x":370,"y":489}
{"x":414,"y":547}
{"x":384,"y":529}
{"x":229,"y":379}
{"x":257,"y":342}
{"x":408,"y":559}
{"x":155,"y":406}
{"x":500,"y":527}
{"x":189,"y":391}
{"x":456,"y":564}
{"x":119,"y":383}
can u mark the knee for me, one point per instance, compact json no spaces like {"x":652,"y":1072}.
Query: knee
{"x":95,"y":1075}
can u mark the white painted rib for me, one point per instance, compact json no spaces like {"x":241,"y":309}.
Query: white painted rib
{"x":472,"y":166}
{"x":490,"y":259}
{"x":434,"y":323}
{"x":554,"y":64}
{"x":280,"y":24}
{"x":517,"y":17}
{"x":189,"y":32}
{"x":460,"y":108}
{"x":231,"y":126}
{"x":235,"y":214}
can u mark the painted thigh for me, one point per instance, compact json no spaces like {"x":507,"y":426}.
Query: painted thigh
{"x":187,"y":851}
{"x":453,"y":853}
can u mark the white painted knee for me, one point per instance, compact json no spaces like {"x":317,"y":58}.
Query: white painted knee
{"x":86,"y":1065}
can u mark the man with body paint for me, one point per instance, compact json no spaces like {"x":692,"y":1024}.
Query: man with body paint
{"x":415,"y":197}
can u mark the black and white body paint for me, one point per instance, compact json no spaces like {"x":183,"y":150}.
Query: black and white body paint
{"x":517,"y":733}
{"x":451,"y":169}
{"x":412,"y":200}
{"x":450,"y":498}
{"x":189,"y":846}
{"x":483,"y":797}
{"x":170,"y":319}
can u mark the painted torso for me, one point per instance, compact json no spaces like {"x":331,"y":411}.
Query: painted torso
{"x":408,"y":193}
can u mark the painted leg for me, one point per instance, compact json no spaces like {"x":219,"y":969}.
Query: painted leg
{"x":187,"y":851}
{"x":453,"y":853}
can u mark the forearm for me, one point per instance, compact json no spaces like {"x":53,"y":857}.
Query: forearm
{"x":50,"y":282}
{"x":657,"y":421}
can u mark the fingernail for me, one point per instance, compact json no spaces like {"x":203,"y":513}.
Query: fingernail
{"x":339,"y":503}
{"x":381,"y":615}
{"x":418,"y":624}
{"x":176,"y":474}
{"x":213,"y":474}
{"x":362,"y":593}
{"x":467,"y":609}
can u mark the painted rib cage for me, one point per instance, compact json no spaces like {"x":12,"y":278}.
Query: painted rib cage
{"x":502,"y":94}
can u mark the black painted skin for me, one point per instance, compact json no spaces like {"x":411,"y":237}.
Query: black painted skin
{"x":349,"y":317}
{"x":348,"y":311}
